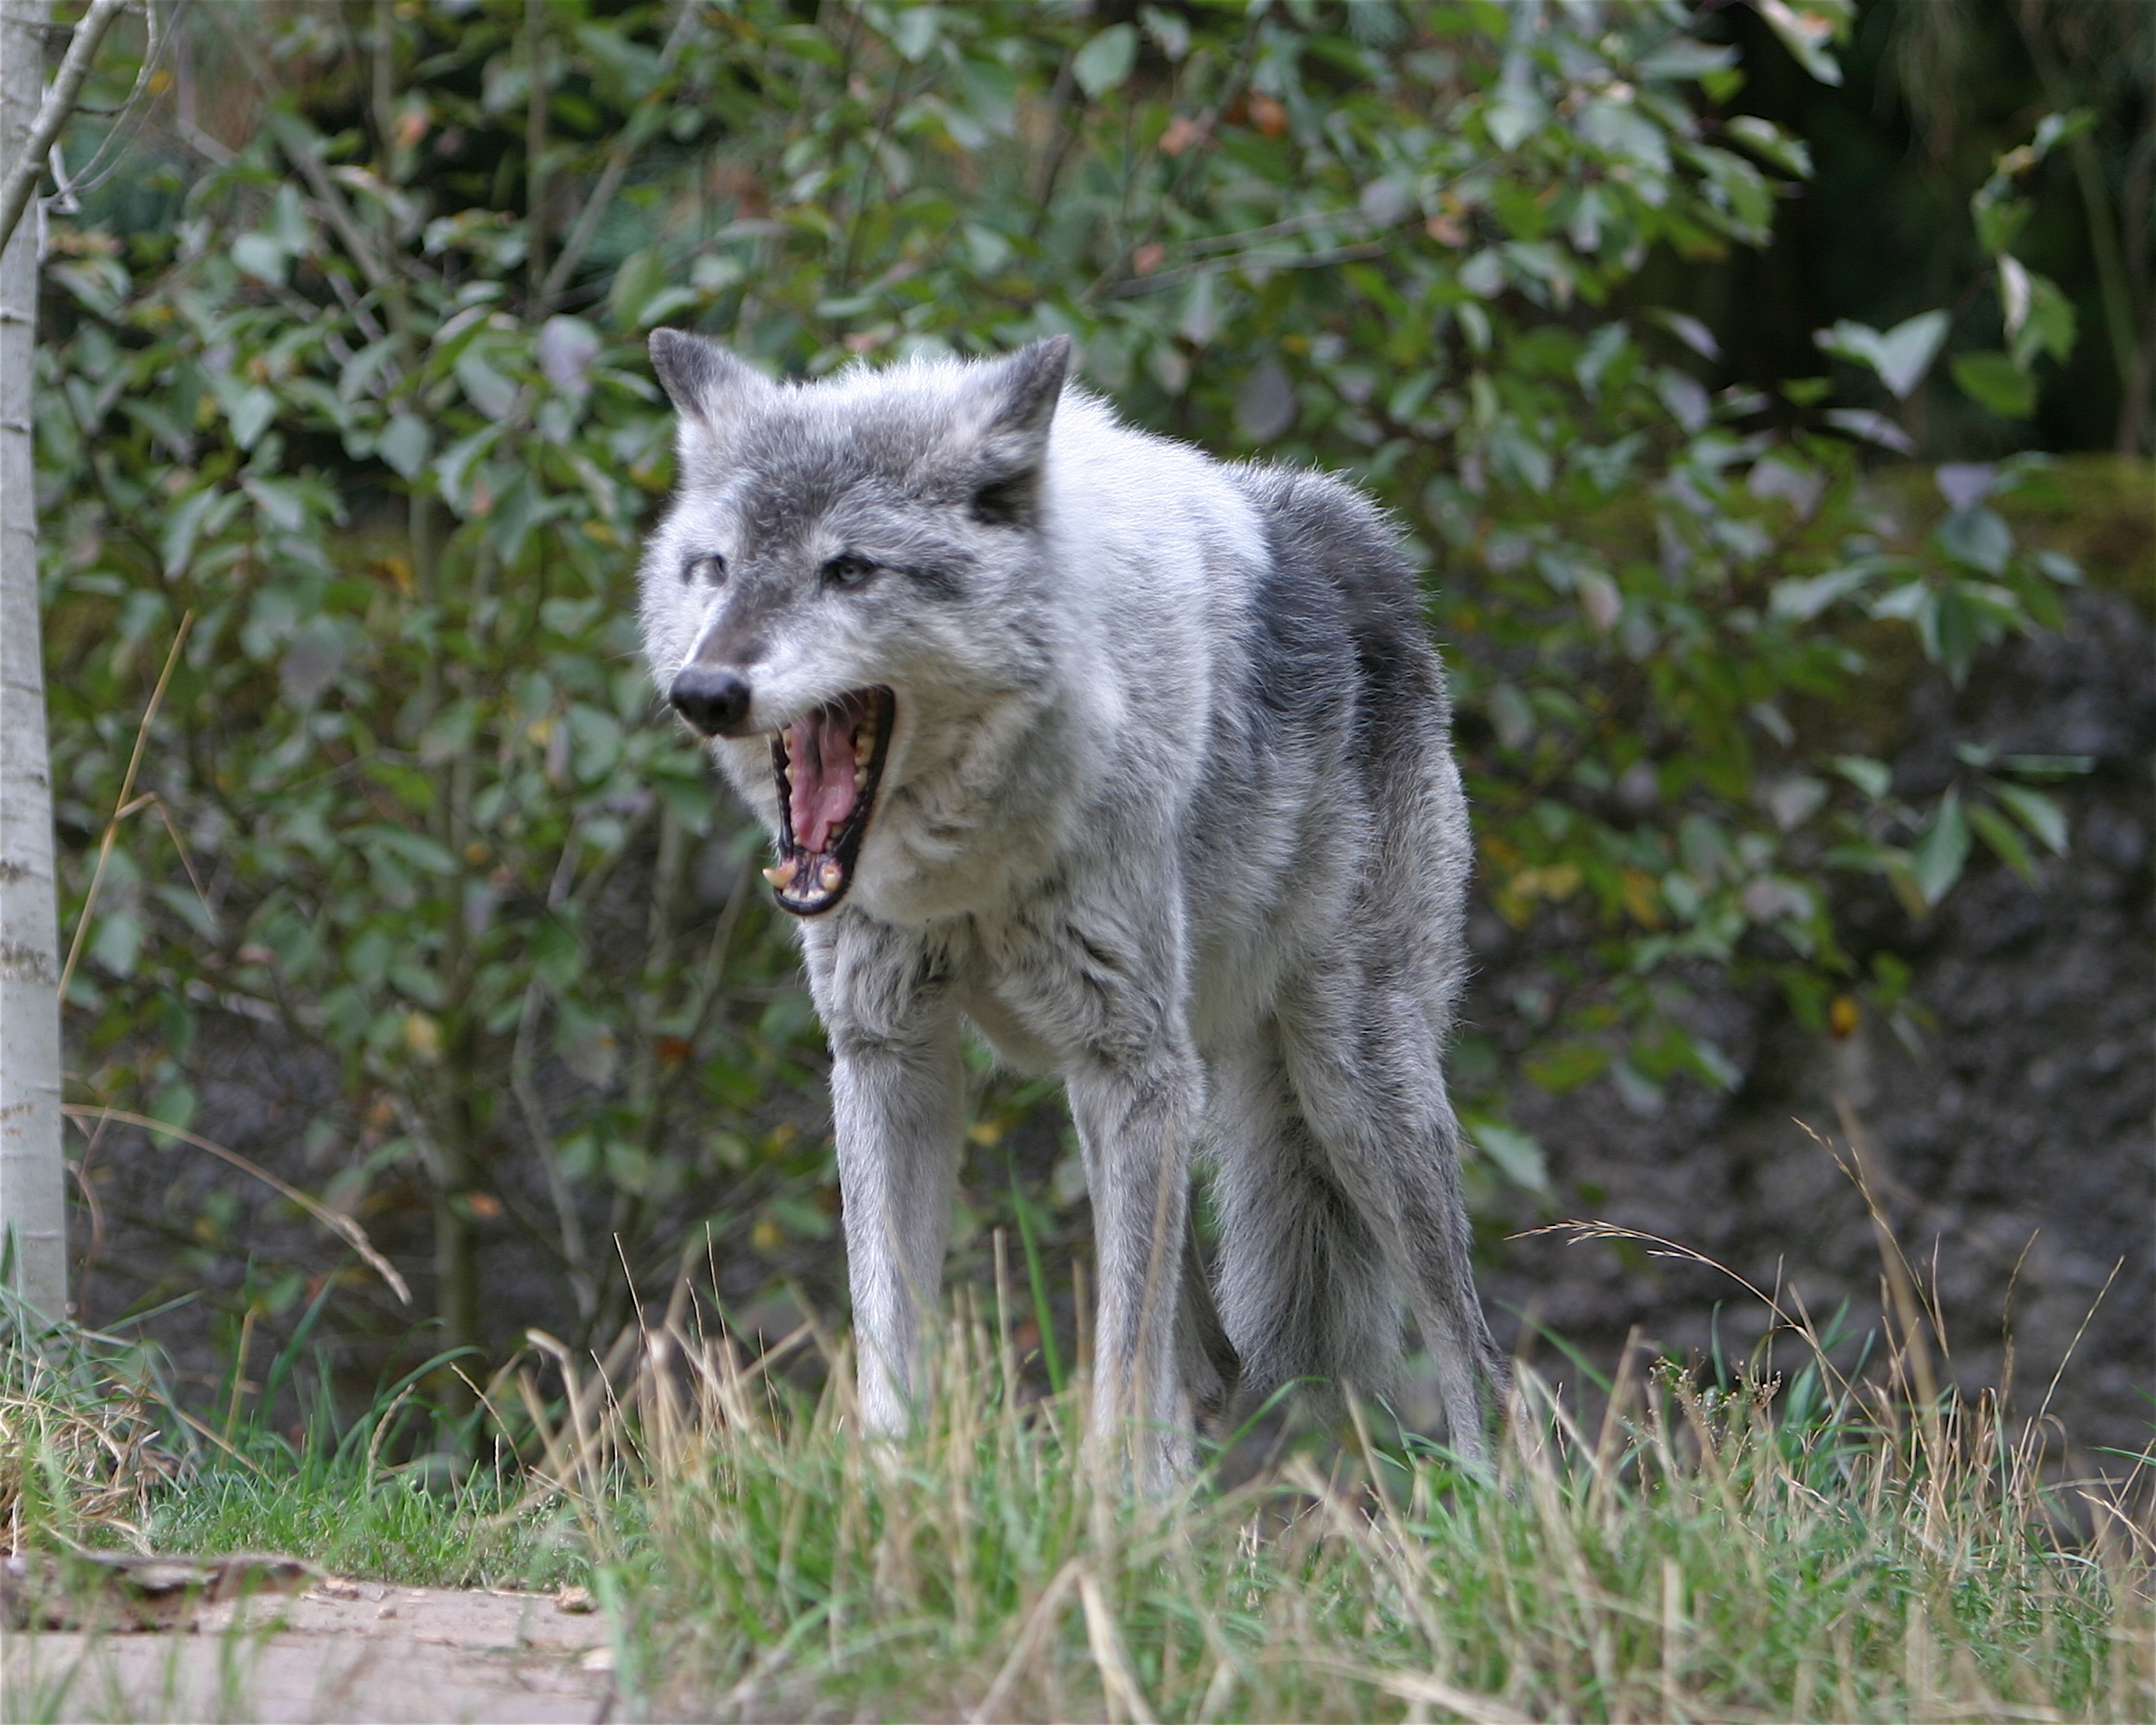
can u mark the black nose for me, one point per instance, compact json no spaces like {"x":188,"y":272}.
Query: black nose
{"x":713,"y":700}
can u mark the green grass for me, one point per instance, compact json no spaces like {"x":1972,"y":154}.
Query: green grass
{"x":1808,"y":1549}
{"x":481,"y":1533}
{"x":97,"y":1454}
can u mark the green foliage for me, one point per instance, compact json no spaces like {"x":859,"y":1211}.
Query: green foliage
{"x":2037,"y":319}
{"x":387,"y":439}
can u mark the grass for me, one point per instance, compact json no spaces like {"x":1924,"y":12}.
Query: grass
{"x":1799,"y":1548}
{"x":1767,"y":1551}
{"x":98,"y":1454}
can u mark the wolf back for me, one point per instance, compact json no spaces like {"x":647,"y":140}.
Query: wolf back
{"x":1138,"y":764}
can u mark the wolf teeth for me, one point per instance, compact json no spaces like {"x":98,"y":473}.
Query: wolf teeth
{"x":829,"y":875}
{"x":781,"y":874}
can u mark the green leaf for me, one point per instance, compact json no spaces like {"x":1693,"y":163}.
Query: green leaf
{"x":260,"y":257}
{"x":1940,"y":854}
{"x":1901,"y":356}
{"x":1104,"y":63}
{"x":1808,"y":28}
{"x":1707,"y":1058}
{"x":2049,"y":327}
{"x":1518,"y":1155}
{"x":917,"y":30}
{"x":1170,"y":33}
{"x":1999,"y":217}
{"x":203,"y":512}
{"x":1565,"y":1066}
{"x":1978,"y":538}
{"x":405,"y":444}
{"x":1998,"y":832}
{"x":1772,"y":145}
{"x":2050,"y":766}
{"x":1872,"y":777}
{"x":2054,"y":129}
{"x":1805,"y":599}
{"x":174,"y":1107}
{"x":493,"y":395}
{"x":1873,"y":428}
{"x":117,"y":943}
{"x":2035,"y":811}
{"x":1684,"y":57}
{"x":640,"y":280}
{"x":1949,"y":629}
{"x":1995,"y":382}
{"x":250,"y":415}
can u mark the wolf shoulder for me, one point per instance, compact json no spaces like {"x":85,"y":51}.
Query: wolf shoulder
{"x":1154,"y":525}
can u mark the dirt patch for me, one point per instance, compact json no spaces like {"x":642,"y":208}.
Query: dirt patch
{"x":342,"y":1651}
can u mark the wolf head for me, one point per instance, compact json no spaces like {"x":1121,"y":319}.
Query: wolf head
{"x":842,"y":579}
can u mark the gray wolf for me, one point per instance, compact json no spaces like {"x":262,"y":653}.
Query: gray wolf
{"x":1138,"y":764}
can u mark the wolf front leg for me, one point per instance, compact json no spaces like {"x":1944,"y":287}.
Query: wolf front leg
{"x":897,"y":1101}
{"x":1135,"y":1125}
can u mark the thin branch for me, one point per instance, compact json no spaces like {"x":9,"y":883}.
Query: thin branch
{"x":1359,"y":251}
{"x":121,"y":806}
{"x":1238,"y":79}
{"x":617,"y":165}
{"x":535,"y":144}
{"x":105,"y":160}
{"x":344,"y":1227}
{"x":305,"y":154}
{"x":52,"y":114}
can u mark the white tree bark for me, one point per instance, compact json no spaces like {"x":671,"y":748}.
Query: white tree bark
{"x":33,"y":1214}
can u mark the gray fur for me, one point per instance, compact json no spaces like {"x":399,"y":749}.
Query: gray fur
{"x":1169,"y":808}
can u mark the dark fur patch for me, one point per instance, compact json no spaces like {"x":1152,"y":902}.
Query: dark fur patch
{"x":1338,"y":617}
{"x":1010,"y":501}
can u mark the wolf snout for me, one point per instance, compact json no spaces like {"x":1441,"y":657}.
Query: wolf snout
{"x":714,"y":700}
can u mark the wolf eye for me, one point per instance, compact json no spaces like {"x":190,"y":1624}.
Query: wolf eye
{"x":848,"y":571}
{"x":710,"y":567}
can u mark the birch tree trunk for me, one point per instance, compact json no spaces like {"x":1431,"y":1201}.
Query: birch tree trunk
{"x":33,"y":1217}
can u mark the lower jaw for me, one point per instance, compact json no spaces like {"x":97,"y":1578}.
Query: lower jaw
{"x":808,"y":886}
{"x":808,"y":883}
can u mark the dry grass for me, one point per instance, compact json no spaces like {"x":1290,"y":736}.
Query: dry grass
{"x":79,"y":1460}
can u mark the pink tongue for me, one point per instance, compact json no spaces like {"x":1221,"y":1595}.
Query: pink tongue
{"x":821,"y":777}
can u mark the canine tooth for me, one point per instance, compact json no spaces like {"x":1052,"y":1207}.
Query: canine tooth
{"x":781,"y":874}
{"x":829,"y":875}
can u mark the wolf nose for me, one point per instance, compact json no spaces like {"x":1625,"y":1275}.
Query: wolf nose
{"x":713,"y":700}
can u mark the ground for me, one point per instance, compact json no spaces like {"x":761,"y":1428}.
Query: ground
{"x":339,"y":1650}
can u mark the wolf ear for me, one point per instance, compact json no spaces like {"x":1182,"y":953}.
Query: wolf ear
{"x":711,"y":390}
{"x":1015,"y":400}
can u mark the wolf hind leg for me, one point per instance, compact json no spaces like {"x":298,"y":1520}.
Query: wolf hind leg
{"x":1304,"y":1287}
{"x":1366,"y":1066}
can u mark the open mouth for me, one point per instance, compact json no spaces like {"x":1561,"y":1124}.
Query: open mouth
{"x":828,"y":765}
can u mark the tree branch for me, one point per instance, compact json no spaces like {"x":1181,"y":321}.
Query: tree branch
{"x":617,"y":165}
{"x":59,"y":102}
